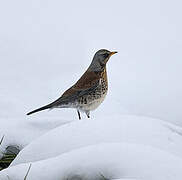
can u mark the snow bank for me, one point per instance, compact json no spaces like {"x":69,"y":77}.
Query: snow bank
{"x":133,"y":129}
{"x":113,"y":161}
{"x":124,"y":179}
{"x":19,"y":132}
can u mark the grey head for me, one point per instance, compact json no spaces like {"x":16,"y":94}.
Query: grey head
{"x":100,"y":60}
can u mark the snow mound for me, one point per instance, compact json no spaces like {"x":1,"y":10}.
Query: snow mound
{"x":124,"y":179}
{"x":109,"y":160}
{"x":18,"y":132}
{"x":132,"y":129}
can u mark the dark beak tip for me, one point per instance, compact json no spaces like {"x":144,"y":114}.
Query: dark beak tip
{"x":114,"y":52}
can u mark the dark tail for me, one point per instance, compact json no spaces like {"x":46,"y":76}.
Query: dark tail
{"x":40,"y":109}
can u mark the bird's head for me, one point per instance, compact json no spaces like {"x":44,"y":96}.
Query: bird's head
{"x":100,"y":59}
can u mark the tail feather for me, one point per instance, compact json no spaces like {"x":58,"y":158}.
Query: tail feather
{"x":39,"y":109}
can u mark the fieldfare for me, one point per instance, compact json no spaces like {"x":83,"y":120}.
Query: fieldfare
{"x":89,"y":91}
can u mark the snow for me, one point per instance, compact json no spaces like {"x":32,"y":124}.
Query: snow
{"x":20,"y":132}
{"x":45,"y":46}
{"x":124,"y":179}
{"x":111,"y":160}
{"x":133,"y":129}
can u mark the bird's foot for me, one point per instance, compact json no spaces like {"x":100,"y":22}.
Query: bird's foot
{"x":88,"y":114}
{"x":79,"y":116}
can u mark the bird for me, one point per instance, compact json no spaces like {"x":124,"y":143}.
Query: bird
{"x":89,"y":91}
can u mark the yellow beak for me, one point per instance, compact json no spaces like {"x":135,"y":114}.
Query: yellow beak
{"x":114,"y":52}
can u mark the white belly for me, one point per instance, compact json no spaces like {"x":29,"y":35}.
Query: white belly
{"x":93,"y":104}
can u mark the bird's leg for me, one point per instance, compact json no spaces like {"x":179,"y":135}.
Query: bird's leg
{"x":79,"y":116}
{"x":88,"y":114}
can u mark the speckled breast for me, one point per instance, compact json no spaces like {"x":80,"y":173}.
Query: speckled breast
{"x":94,"y":98}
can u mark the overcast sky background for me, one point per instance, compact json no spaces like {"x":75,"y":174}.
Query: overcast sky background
{"x":45,"y":46}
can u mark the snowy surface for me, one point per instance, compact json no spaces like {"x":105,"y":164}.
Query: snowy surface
{"x":133,"y":129}
{"x":120,"y":160}
{"x":19,"y":132}
{"x":45,"y":46}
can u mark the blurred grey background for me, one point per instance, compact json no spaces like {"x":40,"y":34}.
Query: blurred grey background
{"x":45,"y":45}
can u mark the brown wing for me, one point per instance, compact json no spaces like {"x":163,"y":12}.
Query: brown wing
{"x":85,"y":84}
{"x":87,"y":80}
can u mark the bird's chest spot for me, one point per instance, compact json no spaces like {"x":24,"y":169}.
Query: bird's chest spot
{"x":99,"y":91}
{"x":92,"y":100}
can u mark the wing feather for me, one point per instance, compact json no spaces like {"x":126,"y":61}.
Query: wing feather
{"x":88,"y":82}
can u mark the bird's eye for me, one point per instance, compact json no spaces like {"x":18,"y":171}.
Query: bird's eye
{"x":105,"y":55}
